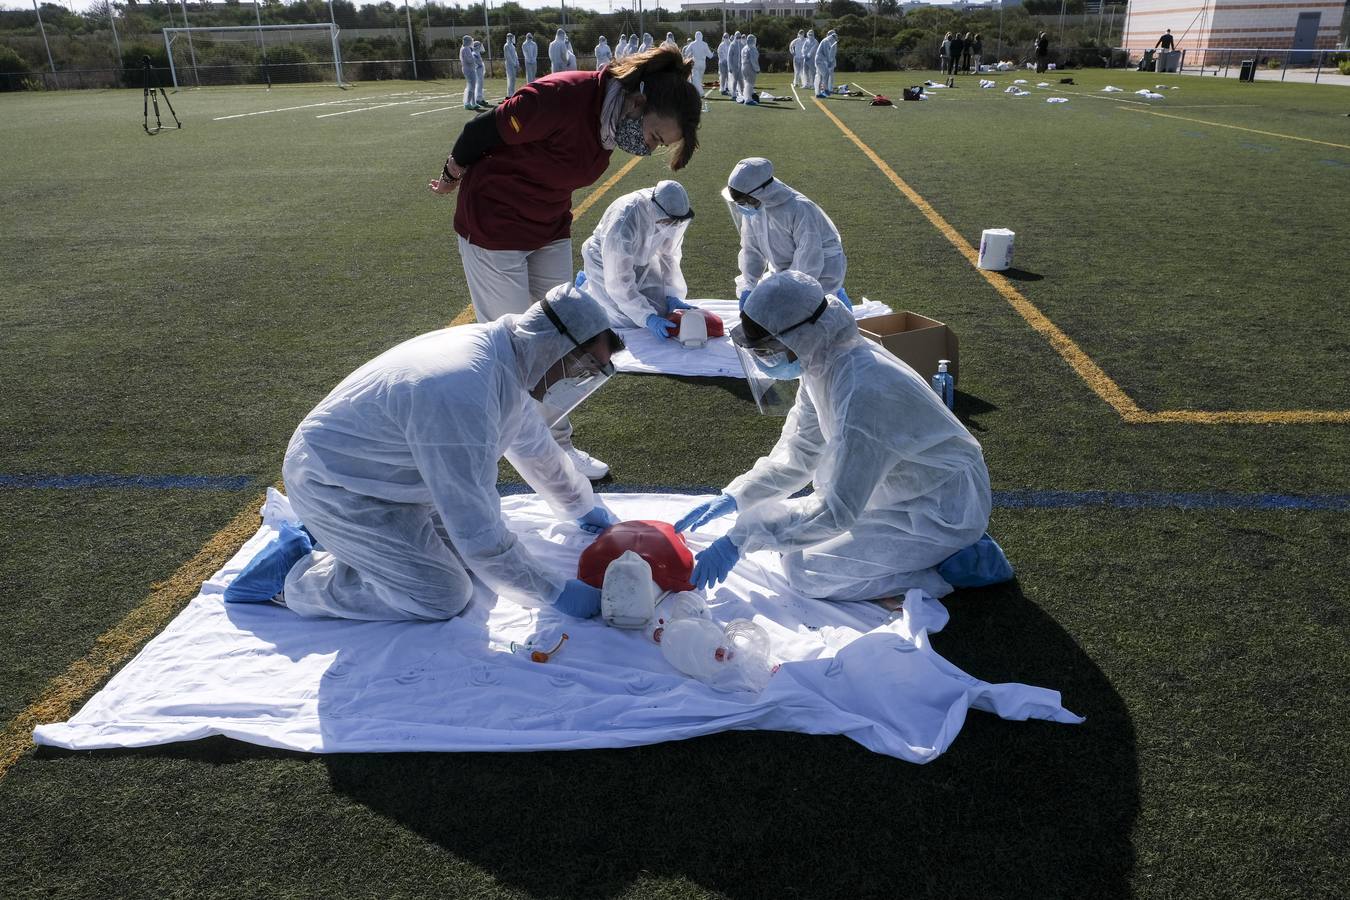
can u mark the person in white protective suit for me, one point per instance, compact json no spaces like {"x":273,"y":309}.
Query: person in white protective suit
{"x":781,"y":229}
{"x":699,"y":51}
{"x":670,"y":40}
{"x":511,"y":60}
{"x":557,"y":52}
{"x":469,"y":66}
{"x":602,"y":52}
{"x":394,"y":473}
{"x":825,"y":59}
{"x":749,"y":70}
{"x":529,"y":52}
{"x":632,"y":261}
{"x":734,"y":64}
{"x":723,"y":73}
{"x":646,"y":42}
{"x":809,"y":58}
{"x":621,"y":47}
{"x":900,"y":486}
{"x":798,"y":48}
{"x":482,"y":74}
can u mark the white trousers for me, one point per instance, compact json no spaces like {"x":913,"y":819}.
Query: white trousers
{"x":502,"y":282}
{"x":510,"y":80}
{"x":748,"y":85}
{"x":479,"y":86}
{"x":530,"y":69}
{"x":470,"y":87}
{"x":723,"y":79}
{"x":696,"y":77}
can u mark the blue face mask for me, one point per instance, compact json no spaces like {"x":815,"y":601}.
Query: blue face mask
{"x":748,"y":211}
{"x":781,"y":370}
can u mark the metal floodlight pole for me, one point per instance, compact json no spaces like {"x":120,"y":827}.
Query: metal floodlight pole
{"x":999,"y":52}
{"x":487,"y":41}
{"x":267,"y":73}
{"x":43,"y":29}
{"x":117,"y":42}
{"x":412,"y":53}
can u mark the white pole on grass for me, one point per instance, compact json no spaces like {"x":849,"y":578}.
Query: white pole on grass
{"x":192,"y":50}
{"x":43,"y":29}
{"x":117,"y":42}
{"x":337,"y":49}
{"x":412,"y":54}
{"x":487,"y":41}
{"x":267,"y":75}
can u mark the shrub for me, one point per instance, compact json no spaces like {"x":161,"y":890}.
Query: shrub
{"x":1344,"y":66}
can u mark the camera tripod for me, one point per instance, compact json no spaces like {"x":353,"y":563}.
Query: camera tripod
{"x":150,"y":96}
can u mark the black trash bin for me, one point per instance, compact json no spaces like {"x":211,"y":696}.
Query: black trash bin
{"x":1248,"y":70}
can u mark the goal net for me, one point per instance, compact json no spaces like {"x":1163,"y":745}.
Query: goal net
{"x":253,"y":54}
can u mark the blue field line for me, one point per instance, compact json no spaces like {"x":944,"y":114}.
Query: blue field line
{"x":137,"y":482}
{"x":1066,"y":499}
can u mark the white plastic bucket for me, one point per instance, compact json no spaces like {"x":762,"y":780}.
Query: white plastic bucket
{"x":996,"y":249}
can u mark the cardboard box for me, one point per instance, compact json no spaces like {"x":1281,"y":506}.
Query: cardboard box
{"x":918,"y":340}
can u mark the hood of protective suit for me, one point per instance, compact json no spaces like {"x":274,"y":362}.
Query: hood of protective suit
{"x":537,"y":341}
{"x":468,"y":41}
{"x":811,"y":34}
{"x":603,"y":39}
{"x":786,"y":298}
{"x":510,"y":38}
{"x":672,"y":197}
{"x":749,"y":176}
{"x":698,"y":35}
{"x":529,"y":36}
{"x":561,"y":34}
{"x":750,"y":40}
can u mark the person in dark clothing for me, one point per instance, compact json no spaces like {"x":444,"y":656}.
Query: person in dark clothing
{"x":967,"y":46}
{"x":977,"y":52}
{"x":1042,"y":52}
{"x":1166,"y":41}
{"x":958,"y":47}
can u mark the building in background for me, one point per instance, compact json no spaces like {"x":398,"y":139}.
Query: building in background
{"x":748,"y":9}
{"x":1210,"y":29}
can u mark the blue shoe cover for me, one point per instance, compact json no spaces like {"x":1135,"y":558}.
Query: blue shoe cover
{"x":581,"y":278}
{"x":265,"y":575}
{"x":979,"y":565}
{"x":844,"y":297}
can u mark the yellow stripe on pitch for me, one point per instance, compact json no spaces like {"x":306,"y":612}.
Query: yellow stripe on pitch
{"x":67,"y":690}
{"x":1274,"y":134}
{"x":1092,"y":374}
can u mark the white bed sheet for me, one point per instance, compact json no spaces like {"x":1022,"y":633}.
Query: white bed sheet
{"x":649,"y":355}
{"x":259,"y":673}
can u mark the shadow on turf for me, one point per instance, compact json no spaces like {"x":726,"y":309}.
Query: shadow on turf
{"x":1033,"y":809}
{"x":1021,"y":275}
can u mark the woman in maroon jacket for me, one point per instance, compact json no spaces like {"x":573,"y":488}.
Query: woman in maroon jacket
{"x":515,"y":169}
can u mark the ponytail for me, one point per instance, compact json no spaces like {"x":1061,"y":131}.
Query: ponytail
{"x":661,"y":74}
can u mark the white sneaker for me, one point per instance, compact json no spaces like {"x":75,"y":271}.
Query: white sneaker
{"x":586,"y":464}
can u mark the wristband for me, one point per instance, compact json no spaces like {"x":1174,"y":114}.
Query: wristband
{"x":445,"y":172}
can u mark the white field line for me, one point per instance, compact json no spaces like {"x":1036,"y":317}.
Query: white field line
{"x":263,"y":112}
{"x":385,"y":105}
{"x":495,"y":101}
{"x":795,"y":97}
{"x":1097,"y":96}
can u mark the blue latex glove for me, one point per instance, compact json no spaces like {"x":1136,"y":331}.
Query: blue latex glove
{"x":597,"y":520}
{"x":581,"y":278}
{"x":660,"y":326}
{"x":982,"y":563}
{"x":843,"y":297}
{"x":721,"y":505}
{"x":674,"y":303}
{"x":745,"y":295}
{"x":265,"y":575}
{"x":578,"y":600}
{"x":712,"y":566}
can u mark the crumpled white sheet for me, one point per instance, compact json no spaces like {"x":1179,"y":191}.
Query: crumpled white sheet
{"x":1019,"y":81}
{"x":1149,"y":95}
{"x":1017,"y":92}
{"x":1043,"y":84}
{"x":647,"y":354}
{"x":986,"y":83}
{"x":1056,"y":99}
{"x":259,"y":673}
{"x":1112,"y":89}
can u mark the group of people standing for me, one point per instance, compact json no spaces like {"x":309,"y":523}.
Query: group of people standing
{"x":393,"y":475}
{"x":814,"y":62}
{"x":960,"y":53}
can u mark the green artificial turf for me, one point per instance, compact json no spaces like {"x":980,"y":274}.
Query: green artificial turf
{"x":173,"y":305}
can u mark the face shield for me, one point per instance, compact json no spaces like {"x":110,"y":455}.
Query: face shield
{"x":578,"y":374}
{"x":770,"y":367}
{"x":672,"y":226}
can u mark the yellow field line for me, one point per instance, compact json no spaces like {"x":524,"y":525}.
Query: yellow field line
{"x":1092,"y":374}
{"x":1081,"y":363}
{"x":67,"y":690}
{"x":466,"y":314}
{"x":1274,"y":134}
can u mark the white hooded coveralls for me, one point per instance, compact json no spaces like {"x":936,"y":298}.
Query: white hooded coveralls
{"x":790,"y":231}
{"x":723,"y":75}
{"x":734,"y":64}
{"x":809,"y":57}
{"x":899,"y":483}
{"x":633,"y":264}
{"x":749,"y":68}
{"x":798,"y":50}
{"x":482,"y":71}
{"x":557,"y":52}
{"x":825,"y":59}
{"x":602,"y":52}
{"x":512,"y":61}
{"x":529,"y":50}
{"x":698,"y":51}
{"x":395,"y":471}
{"x":469,"y":66}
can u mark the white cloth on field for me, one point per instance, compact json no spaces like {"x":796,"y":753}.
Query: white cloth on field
{"x":259,"y":673}
{"x":646,"y":354}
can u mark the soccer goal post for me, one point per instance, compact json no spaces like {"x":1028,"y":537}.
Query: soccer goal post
{"x":248,"y":54}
